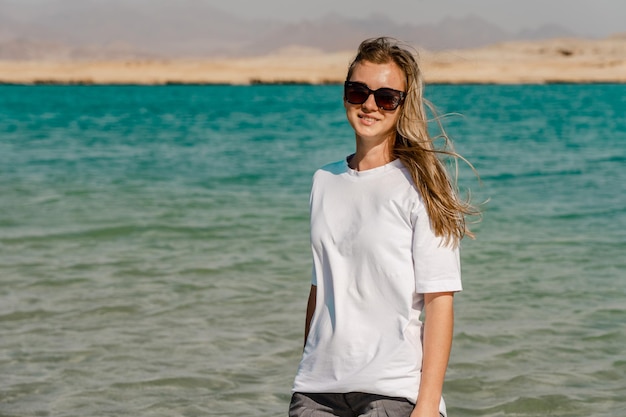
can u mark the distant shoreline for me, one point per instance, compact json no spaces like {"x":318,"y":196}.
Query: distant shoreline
{"x":576,"y":61}
{"x":279,"y":83}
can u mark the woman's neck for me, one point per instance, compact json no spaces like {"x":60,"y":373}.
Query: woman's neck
{"x":369,"y":156}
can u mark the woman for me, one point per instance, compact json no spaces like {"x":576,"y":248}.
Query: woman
{"x":386,"y":223}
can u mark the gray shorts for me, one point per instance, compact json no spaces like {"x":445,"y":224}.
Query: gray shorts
{"x":352,"y":404}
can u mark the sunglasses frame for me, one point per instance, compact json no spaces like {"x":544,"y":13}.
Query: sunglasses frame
{"x":400,"y":94}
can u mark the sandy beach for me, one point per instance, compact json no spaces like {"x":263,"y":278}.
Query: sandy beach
{"x":552,"y":61}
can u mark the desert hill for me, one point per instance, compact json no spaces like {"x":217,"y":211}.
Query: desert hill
{"x":568,"y":60}
{"x":189,"y":41}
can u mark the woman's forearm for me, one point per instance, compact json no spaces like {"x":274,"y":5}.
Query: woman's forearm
{"x":438,"y":330}
{"x":310,"y":309}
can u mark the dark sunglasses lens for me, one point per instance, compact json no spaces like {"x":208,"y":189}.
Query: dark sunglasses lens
{"x":356,"y":94}
{"x":388,"y":100}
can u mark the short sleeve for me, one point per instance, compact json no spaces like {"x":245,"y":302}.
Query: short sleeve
{"x":437,"y":266}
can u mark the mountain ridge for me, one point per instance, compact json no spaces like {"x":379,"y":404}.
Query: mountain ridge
{"x":88,"y":29}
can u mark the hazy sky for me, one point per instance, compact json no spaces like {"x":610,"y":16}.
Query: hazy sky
{"x":585,"y":17}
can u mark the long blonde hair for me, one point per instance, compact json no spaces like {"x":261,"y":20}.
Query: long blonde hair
{"x":415,"y":147}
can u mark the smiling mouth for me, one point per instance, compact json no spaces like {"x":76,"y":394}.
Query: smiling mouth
{"x":367,"y":119}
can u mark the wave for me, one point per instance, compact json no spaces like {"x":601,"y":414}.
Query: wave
{"x":505,"y":176}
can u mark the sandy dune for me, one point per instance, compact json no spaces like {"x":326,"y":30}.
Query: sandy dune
{"x":559,"y":60}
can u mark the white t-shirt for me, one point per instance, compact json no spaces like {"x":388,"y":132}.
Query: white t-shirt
{"x":374,"y":256}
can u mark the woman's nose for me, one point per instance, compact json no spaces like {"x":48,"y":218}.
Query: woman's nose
{"x":370,"y":104}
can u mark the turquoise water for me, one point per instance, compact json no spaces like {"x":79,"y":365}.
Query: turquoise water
{"x":154,"y":255}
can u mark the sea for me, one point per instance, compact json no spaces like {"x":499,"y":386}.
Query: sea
{"x":155,"y":258}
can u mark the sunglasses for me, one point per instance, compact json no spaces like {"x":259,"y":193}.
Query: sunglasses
{"x":386,"y":98}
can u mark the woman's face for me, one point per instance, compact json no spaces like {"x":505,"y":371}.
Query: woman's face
{"x":370,"y":123}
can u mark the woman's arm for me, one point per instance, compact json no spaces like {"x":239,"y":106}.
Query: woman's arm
{"x":438,"y":328}
{"x":310,"y":309}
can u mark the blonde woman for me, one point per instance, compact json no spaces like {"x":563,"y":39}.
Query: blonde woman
{"x":386,"y":223}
